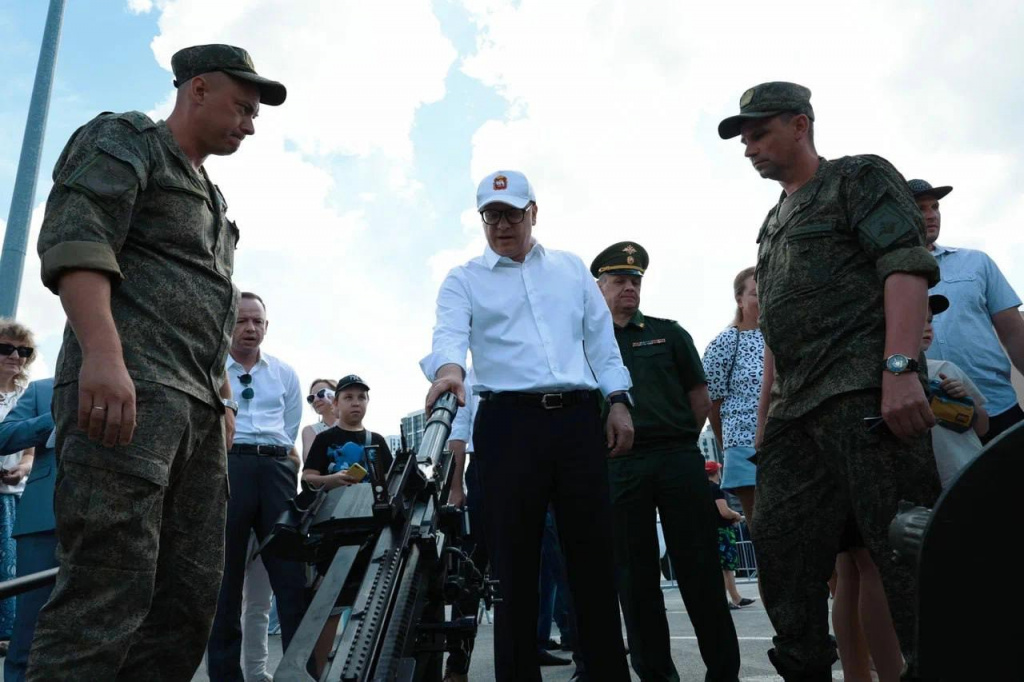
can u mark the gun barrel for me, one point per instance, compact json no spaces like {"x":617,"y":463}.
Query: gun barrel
{"x":438,"y":428}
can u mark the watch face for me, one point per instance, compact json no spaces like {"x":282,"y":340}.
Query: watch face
{"x":897,"y":363}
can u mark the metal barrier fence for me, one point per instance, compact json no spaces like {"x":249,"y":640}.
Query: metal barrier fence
{"x":746,"y":573}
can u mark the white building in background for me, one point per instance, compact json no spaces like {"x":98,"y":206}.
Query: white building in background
{"x":412,"y":426}
{"x":709,"y":445}
{"x":394,"y":443}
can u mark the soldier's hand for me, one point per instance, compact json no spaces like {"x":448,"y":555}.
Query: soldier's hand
{"x":905,"y":408}
{"x":229,"y":427}
{"x":106,"y":399}
{"x":619,"y":430}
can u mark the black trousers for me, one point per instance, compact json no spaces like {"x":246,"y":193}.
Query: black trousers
{"x":1002,"y":421}
{"x":261,"y":487}
{"x":530,"y":457}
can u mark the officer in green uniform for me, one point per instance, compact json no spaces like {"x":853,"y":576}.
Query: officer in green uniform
{"x":136,"y":243}
{"x":663,"y":475}
{"x":842,"y":278}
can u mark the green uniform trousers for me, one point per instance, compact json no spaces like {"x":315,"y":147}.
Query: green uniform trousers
{"x":671,"y":482}
{"x":826,"y":483}
{"x":140,"y":532}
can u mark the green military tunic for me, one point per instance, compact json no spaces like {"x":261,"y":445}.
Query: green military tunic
{"x":663,"y":477}
{"x":824,"y":481}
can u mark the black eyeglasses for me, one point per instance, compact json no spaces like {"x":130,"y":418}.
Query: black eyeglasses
{"x":23,"y":351}
{"x":514,"y":216}
{"x":246,"y":380}
{"x":323,"y":394}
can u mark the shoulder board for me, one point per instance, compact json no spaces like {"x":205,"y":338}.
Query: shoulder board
{"x":664,"y":320}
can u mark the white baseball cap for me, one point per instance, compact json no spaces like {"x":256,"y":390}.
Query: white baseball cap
{"x":506,"y":187}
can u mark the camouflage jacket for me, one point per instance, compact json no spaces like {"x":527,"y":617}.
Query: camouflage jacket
{"x":823,"y":258}
{"x":127,"y":202}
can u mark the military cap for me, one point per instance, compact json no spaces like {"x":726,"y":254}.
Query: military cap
{"x":349,"y":381}
{"x":767,"y":100}
{"x":922,"y":188}
{"x":623,"y":258}
{"x":234,"y":61}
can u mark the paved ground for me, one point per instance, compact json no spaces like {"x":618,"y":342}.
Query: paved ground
{"x":752,"y":628}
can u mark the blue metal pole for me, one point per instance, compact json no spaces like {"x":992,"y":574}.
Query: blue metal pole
{"x":12,"y":261}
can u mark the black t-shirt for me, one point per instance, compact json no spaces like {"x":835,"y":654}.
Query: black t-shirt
{"x":717,"y":494}
{"x":336,"y":450}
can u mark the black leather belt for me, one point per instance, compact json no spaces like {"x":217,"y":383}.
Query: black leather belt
{"x":264,"y":450}
{"x":549,"y":401}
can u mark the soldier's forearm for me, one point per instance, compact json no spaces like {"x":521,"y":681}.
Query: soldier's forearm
{"x":906,"y":303}
{"x":85,"y":295}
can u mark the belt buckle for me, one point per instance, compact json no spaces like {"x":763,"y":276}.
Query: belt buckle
{"x":546,"y":406}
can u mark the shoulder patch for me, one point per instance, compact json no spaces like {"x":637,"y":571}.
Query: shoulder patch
{"x":885,"y":224}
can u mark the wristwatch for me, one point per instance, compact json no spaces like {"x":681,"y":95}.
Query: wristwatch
{"x":230,"y":404}
{"x":898,"y":364}
{"x":624,"y":397}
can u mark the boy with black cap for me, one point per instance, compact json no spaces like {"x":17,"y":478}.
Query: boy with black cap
{"x":340,"y":456}
{"x":335,"y":451}
{"x":136,"y":243}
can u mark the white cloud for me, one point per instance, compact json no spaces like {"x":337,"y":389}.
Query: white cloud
{"x":140,"y":6}
{"x":614,"y":109}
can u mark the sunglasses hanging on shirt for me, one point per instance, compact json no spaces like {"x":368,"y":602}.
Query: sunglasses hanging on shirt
{"x":246,"y":381}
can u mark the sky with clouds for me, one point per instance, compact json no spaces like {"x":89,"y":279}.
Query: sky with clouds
{"x":355,"y":197}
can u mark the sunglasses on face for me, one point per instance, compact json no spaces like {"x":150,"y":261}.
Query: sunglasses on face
{"x":23,"y":351}
{"x":246,"y":380}
{"x":322,"y":394}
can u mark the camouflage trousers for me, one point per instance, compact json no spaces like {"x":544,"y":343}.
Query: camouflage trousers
{"x":140,"y":532}
{"x":825,"y":483}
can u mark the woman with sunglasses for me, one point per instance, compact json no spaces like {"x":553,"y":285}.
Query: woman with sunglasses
{"x":321,"y":398}
{"x":17,"y":351}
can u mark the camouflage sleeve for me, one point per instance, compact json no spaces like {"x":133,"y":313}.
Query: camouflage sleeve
{"x":88,"y":213}
{"x":688,"y":363}
{"x":888,"y":223}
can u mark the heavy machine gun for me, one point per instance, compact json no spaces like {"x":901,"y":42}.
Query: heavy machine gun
{"x":398,"y":629}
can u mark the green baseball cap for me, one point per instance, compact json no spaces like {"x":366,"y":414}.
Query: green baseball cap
{"x":767,"y":100}
{"x":234,"y":61}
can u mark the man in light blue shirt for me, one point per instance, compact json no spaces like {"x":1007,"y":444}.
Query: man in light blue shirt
{"x":263,"y":477}
{"x":983,"y":313}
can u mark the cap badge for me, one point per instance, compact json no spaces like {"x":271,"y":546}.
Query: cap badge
{"x":630,"y":260}
{"x":747,"y":97}
{"x":500,"y":183}
{"x":630,"y":250}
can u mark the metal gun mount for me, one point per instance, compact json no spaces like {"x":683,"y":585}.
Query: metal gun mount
{"x":398,"y":629}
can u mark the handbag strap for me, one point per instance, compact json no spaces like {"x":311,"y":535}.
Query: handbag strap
{"x":732,"y":365}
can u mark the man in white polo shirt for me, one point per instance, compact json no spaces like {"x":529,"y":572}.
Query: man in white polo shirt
{"x":263,"y":477}
{"x":544,"y":353}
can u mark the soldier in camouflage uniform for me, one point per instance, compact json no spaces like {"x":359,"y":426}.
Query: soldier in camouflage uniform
{"x":136,"y":243}
{"x":842,"y":277}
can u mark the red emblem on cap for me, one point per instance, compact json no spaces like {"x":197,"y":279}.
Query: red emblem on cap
{"x":500,"y":183}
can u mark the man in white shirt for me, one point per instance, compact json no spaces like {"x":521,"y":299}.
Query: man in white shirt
{"x":542,"y":344}
{"x":263,"y":478}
